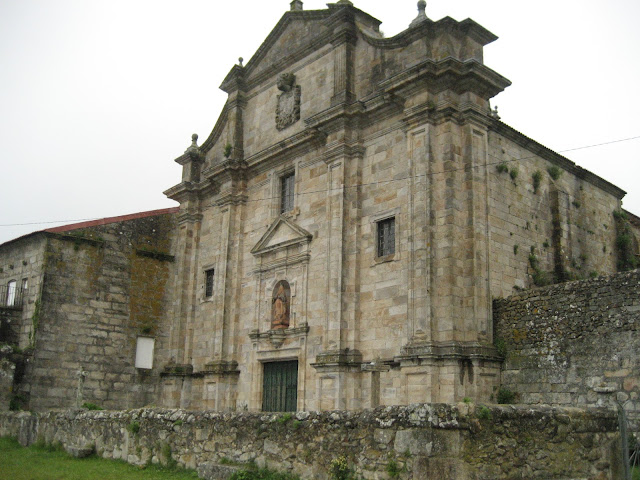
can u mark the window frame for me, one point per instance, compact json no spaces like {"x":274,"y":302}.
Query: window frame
{"x":12,"y":293}
{"x":374,"y":221}
{"x":386,"y":237}
{"x":209,"y":281}
{"x":287,"y":191}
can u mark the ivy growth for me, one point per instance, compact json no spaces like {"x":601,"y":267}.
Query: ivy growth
{"x":35,"y":321}
{"x":505,"y":396}
{"x":554,"y":172}
{"x":537,"y":178}
{"x":227,"y":150}
{"x":539,"y":276}
{"x":627,"y":259}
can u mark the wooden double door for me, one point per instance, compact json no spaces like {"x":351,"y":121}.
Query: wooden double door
{"x":280,"y":387}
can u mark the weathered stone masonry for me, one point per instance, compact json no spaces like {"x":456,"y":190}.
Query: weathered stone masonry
{"x":101,"y":287}
{"x":575,"y":343}
{"x":376,"y":129}
{"x":331,"y":136}
{"x":424,"y":441}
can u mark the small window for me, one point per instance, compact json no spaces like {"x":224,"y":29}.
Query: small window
{"x":25,"y":286}
{"x":387,"y":237}
{"x":287,"y":184}
{"x":144,"y":352}
{"x":11,"y":293}
{"x":208,"y":283}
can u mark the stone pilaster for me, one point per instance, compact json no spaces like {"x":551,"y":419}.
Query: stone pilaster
{"x":344,"y":39}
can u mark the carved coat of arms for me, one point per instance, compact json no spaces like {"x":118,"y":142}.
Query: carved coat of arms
{"x":288,"y":110}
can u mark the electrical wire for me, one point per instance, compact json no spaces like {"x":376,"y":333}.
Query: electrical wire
{"x":380,"y":182}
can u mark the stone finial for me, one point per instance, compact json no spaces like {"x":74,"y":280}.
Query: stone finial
{"x":494,"y":113}
{"x":296,"y":6}
{"x":193,"y":148}
{"x":422,"y":16}
{"x":240,"y":60}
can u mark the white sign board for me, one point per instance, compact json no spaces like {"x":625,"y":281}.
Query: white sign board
{"x":144,"y":352}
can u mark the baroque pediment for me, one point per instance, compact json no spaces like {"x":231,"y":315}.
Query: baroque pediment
{"x":282,"y":233}
{"x":291,"y":34}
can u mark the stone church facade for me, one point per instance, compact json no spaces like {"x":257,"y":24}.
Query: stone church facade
{"x":345,"y":226}
{"x":350,"y":213}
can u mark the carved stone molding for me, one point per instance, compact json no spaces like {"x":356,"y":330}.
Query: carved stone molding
{"x":277,"y":337}
{"x":413,"y":354}
{"x":221,"y":367}
{"x":332,"y":360}
{"x":177,"y":370}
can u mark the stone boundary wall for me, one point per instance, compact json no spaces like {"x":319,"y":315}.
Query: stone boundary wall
{"x":457,"y":442}
{"x":575,"y":343}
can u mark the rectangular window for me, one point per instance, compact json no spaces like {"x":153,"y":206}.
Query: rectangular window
{"x":11,"y":293}
{"x":144,"y":352}
{"x":208,"y":283}
{"x":287,"y":184}
{"x":387,"y":237}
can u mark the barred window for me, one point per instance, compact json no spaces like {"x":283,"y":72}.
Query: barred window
{"x":11,"y":294}
{"x":208,"y":284}
{"x":387,"y":237}
{"x":287,"y":184}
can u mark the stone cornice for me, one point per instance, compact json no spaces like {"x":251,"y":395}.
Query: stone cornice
{"x":288,"y":17}
{"x":289,"y":332}
{"x":333,"y":360}
{"x":338,"y":112}
{"x":182,"y":191}
{"x":189,"y":217}
{"x":221,"y":367}
{"x":217,"y":130}
{"x":234,"y":80}
{"x":414,"y":353}
{"x":430,"y":29}
{"x":343,"y":150}
{"x":290,"y":147}
{"x":228,"y":167}
{"x":346,"y":11}
{"x":177,"y":370}
{"x":302,"y":237}
{"x":231,"y":199}
{"x":282,"y":262}
{"x":555,"y":158}
{"x":448,"y":73}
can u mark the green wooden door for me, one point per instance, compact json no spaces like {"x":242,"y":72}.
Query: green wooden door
{"x":280,"y":387}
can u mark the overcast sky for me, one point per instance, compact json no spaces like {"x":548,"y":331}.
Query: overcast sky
{"x":97,"y":97}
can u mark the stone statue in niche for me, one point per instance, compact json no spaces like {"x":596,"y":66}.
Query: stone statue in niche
{"x":288,"y":110}
{"x":280,"y":305}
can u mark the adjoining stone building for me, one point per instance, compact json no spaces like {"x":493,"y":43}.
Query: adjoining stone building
{"x":345,"y":226}
{"x":87,"y":295}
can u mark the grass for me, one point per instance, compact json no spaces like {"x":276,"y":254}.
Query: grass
{"x":635,"y":473}
{"x":46,"y":463}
